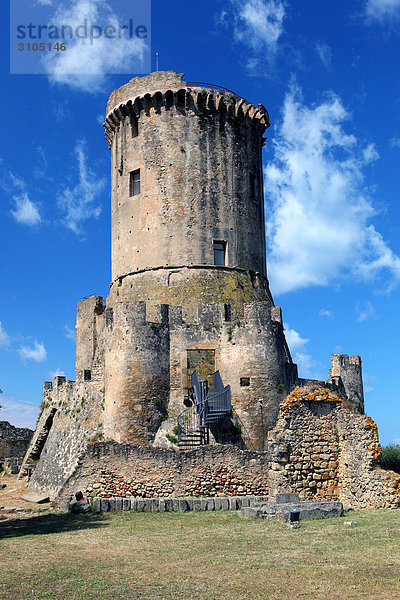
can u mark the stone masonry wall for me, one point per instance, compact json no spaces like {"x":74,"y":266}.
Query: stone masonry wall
{"x":322,"y":449}
{"x":109,"y":469}
{"x":13,"y":440}
{"x":72,"y":417}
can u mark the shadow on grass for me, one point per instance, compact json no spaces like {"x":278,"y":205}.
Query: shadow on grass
{"x":51,"y":523}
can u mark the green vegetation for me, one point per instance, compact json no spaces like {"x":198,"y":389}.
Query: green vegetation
{"x":175,"y":430}
{"x":237,"y":427}
{"x":390,"y":458}
{"x":220,"y":557}
{"x":171,"y":438}
{"x":158,"y":403}
{"x":281,"y":388}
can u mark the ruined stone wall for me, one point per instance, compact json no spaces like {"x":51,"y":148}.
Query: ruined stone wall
{"x":110,"y":469}
{"x":13,"y":440}
{"x":322,"y":449}
{"x":72,"y":417}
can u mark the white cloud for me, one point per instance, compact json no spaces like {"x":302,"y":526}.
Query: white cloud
{"x":85,"y":62}
{"x":257,"y":24}
{"x":319,"y":227}
{"x":79,"y":203}
{"x":325,"y":53}
{"x":324,"y":312}
{"x":396,"y":441}
{"x":305,"y":363}
{"x":364,"y":311}
{"x":69,"y":333}
{"x":52,"y":374}
{"x":395,"y":142}
{"x":4,"y":337}
{"x":26,"y":211}
{"x":382,"y":10}
{"x":37,"y":353}
{"x":18,"y":411}
{"x":369,"y":383}
{"x":294,"y":339}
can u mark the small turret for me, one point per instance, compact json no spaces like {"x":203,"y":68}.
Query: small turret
{"x":346,"y":376}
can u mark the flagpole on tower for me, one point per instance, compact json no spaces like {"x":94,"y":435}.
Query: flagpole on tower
{"x":156,"y":61}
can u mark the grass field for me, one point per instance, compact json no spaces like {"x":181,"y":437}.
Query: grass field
{"x":199,"y":556}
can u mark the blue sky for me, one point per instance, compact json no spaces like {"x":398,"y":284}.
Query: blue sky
{"x":327,"y":73}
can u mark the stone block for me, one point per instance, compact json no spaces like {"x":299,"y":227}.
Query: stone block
{"x":245,"y":501}
{"x":196,"y":504}
{"x":155,"y":505}
{"x":96,"y":505}
{"x":204,"y":503}
{"x":147,"y":504}
{"x":233,"y":503}
{"x":183,"y":505}
{"x":161,"y":505}
{"x":36,"y":498}
{"x":175,"y":504}
{"x":126,"y":504}
{"x":217,"y":504}
{"x":118,"y":504}
{"x":169,"y":504}
{"x":249,"y":512}
{"x":112,"y":504}
{"x":190,"y":503}
{"x":140,"y":502}
{"x":104,"y":505}
{"x":224,"y":503}
{"x":210,"y":504}
{"x":284,"y":497}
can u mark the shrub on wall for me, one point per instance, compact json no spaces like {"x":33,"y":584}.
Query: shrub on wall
{"x":390,"y":459}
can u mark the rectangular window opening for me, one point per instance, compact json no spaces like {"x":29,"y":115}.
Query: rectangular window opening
{"x":219,"y":253}
{"x":134,"y":184}
{"x":87,"y":375}
{"x":244,"y":381}
{"x":227,"y":312}
{"x":134,"y":126}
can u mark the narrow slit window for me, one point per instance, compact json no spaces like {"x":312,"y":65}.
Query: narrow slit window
{"x":135,"y":183}
{"x":219,"y":253}
{"x":252,"y":186}
{"x":134,"y":126}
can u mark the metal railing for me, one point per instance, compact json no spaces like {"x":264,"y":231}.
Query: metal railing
{"x":190,"y":426}
{"x":212,"y":86}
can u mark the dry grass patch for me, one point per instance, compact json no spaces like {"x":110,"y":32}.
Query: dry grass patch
{"x":199,"y":556}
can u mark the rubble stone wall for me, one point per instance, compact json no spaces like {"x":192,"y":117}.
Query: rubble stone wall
{"x":13,"y":440}
{"x":109,"y":469}
{"x":321,"y":449}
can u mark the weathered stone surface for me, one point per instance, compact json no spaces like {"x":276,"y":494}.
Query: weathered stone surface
{"x":80,"y":506}
{"x":36,"y":498}
{"x":308,"y":510}
{"x":284,"y":498}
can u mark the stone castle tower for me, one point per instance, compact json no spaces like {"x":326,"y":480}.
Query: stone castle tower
{"x":188,"y":243}
{"x":189,"y":286}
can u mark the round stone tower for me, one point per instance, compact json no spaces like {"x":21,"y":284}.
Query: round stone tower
{"x":188,"y":232}
{"x":187,"y":192}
